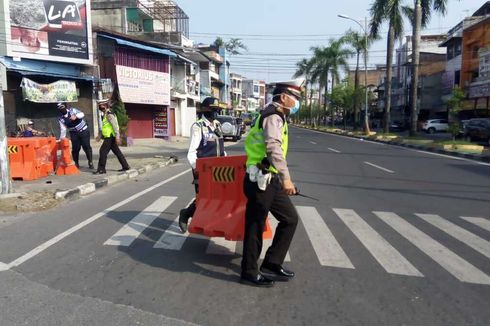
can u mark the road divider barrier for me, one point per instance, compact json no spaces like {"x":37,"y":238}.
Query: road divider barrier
{"x":66,"y":166}
{"x":220,"y":203}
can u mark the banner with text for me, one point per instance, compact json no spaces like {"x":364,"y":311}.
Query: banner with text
{"x":143,"y":86}
{"x":60,"y":91}
{"x":56,"y":30}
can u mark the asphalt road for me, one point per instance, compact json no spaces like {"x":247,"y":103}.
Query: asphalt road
{"x":399,"y":237}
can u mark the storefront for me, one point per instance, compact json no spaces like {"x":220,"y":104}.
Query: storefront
{"x":142,"y":76}
{"x":34,"y":87}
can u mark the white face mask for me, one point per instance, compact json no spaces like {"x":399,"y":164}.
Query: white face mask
{"x":292,"y":110}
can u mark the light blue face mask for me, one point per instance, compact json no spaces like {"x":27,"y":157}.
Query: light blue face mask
{"x":295,"y":108}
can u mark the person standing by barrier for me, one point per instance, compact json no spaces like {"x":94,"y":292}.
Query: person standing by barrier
{"x":112,"y":138}
{"x":73,"y":120}
{"x":206,"y":141}
{"x":267,"y":186}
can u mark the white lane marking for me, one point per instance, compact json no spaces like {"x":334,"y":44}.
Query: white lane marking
{"x":132,"y":230}
{"x":312,"y":142}
{"x":4,"y":267}
{"x":341,"y":136}
{"x":454,"y":264}
{"x":386,"y":255}
{"x":448,"y":156}
{"x":173,"y":238}
{"x":221,"y":246}
{"x":333,"y":150}
{"x":327,"y":249}
{"x":34,"y":252}
{"x":457,"y":232}
{"x":378,"y":167}
{"x":267,"y":243}
{"x":478,"y":221}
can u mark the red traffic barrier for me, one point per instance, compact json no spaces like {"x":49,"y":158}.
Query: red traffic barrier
{"x":220,"y":203}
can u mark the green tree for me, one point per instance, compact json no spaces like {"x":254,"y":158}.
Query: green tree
{"x":421,"y":16}
{"x":343,"y":98}
{"x":455,"y":106}
{"x":357,"y":42}
{"x":390,"y":11}
{"x":303,"y":69}
{"x":234,"y":46}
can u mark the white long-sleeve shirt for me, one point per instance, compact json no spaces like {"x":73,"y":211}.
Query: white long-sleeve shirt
{"x":69,"y":112}
{"x":195,"y":141}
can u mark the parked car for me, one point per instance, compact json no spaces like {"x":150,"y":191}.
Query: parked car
{"x":247,"y":118}
{"x":478,"y":129}
{"x":435,"y":125}
{"x":230,"y":126}
{"x":462,"y":128}
{"x":398,"y":126}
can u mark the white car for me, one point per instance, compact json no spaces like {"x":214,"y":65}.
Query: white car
{"x":435,"y":125}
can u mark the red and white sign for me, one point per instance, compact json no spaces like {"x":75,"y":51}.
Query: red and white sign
{"x":143,"y":86}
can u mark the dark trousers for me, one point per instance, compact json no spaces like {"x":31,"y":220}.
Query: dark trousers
{"x":107,"y":145}
{"x":191,"y":209}
{"x":259,"y":204}
{"x":80,"y":139}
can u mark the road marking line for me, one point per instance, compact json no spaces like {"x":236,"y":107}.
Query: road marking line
{"x":312,"y":142}
{"x":133,"y":229}
{"x":327,"y":249}
{"x":221,"y":246}
{"x":4,"y":267}
{"x":333,"y":150}
{"x":173,"y":238}
{"x":478,"y":221}
{"x":386,"y":255}
{"x":457,"y":232}
{"x":34,"y":252}
{"x":267,"y":243}
{"x":451,"y":157}
{"x":379,"y":167}
{"x":454,"y":264}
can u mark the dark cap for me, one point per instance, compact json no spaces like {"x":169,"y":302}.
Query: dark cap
{"x":210,"y":102}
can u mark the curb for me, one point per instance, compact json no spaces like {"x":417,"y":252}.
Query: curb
{"x":91,"y":187}
{"x":476,"y":157}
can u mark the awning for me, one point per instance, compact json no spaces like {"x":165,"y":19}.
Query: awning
{"x":29,"y":67}
{"x":140,"y":46}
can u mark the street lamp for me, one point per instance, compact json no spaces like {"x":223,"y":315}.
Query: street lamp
{"x":365,"y":29}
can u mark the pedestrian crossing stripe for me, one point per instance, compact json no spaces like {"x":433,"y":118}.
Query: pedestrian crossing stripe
{"x":223,"y":174}
{"x":328,"y":249}
{"x":13,"y":149}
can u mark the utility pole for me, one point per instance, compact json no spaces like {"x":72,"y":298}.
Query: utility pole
{"x":4,"y":156}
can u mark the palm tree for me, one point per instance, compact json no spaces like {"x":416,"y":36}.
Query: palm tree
{"x":390,"y":11}
{"x":320,"y":69}
{"x":358,"y":42}
{"x":233,"y":46}
{"x":303,"y":68}
{"x":421,"y":16}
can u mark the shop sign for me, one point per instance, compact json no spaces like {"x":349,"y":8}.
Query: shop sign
{"x":482,"y":90}
{"x":55,"y":30}
{"x":160,"y":123}
{"x":60,"y":91}
{"x":143,"y":86}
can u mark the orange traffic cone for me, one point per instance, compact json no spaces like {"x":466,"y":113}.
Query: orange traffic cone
{"x":66,"y":166}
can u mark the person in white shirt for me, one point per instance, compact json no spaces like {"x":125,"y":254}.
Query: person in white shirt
{"x":206,"y":141}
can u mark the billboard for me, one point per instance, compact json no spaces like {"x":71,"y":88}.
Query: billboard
{"x":60,"y":91}
{"x":143,"y":86}
{"x":55,"y":30}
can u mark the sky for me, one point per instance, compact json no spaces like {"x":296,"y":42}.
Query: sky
{"x":278,"y":34}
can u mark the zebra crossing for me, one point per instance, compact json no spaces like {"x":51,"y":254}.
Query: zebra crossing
{"x":326,"y":246}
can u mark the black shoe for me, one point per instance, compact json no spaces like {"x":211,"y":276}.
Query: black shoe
{"x":99,"y":172}
{"x":183,"y":219}
{"x":91,"y":166}
{"x":259,"y":280}
{"x":276,"y":271}
{"x":77,"y":165}
{"x":123,"y":169}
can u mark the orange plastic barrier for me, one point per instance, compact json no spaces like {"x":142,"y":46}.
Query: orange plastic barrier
{"x":22,"y":157}
{"x":220,"y":203}
{"x":66,"y":165}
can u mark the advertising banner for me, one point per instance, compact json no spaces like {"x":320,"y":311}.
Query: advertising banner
{"x":143,"y":86}
{"x":56,"y":30}
{"x":160,"y":123}
{"x":60,"y":91}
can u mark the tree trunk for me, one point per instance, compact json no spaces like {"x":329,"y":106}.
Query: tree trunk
{"x":389,"y":71}
{"x":311,"y":99}
{"x":356,"y":94}
{"x":415,"y":67}
{"x":332,"y":109}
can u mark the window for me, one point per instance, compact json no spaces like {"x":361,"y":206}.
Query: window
{"x":457,"y":49}
{"x":457,"y":77}
{"x":256,"y":88}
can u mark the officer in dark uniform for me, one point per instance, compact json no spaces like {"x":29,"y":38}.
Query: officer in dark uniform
{"x":73,"y":120}
{"x":206,"y":141}
{"x":267,"y":186}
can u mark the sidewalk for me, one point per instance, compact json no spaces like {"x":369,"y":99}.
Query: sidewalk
{"x":143,"y":156}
